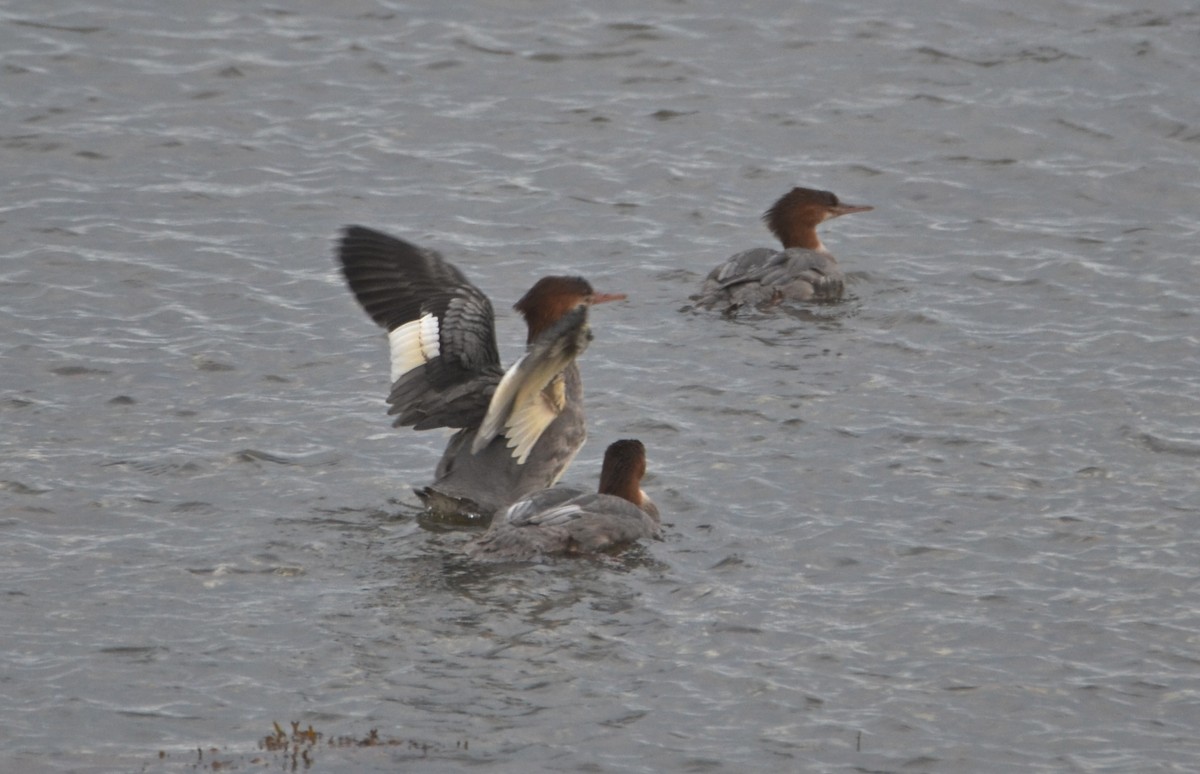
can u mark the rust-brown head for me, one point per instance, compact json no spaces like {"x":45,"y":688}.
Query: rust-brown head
{"x":624,"y":467}
{"x":552,"y":297}
{"x":795,"y":216}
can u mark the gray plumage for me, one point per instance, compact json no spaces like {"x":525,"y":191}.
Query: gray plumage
{"x":803,"y":271}
{"x":763,"y":276}
{"x":567,"y":522}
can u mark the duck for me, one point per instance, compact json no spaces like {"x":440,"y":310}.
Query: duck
{"x":804,"y":270}
{"x":517,"y":429}
{"x":568,"y":522}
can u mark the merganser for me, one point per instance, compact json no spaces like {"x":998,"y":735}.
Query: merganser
{"x":567,"y":522}
{"x":519,"y":429}
{"x":803,"y":271}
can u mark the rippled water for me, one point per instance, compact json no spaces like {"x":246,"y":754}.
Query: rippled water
{"x":947,"y":525}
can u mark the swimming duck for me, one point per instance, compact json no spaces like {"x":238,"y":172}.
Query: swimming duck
{"x":568,"y":522}
{"x":803,"y":271}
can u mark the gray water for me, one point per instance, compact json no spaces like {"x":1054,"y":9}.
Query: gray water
{"x":948,"y":525}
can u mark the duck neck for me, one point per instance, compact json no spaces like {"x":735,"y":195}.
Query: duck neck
{"x":804,"y":237}
{"x":621,"y":481}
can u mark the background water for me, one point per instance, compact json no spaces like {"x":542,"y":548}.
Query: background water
{"x":947,"y":525}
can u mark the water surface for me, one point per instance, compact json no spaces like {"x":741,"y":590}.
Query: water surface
{"x":946,"y":525}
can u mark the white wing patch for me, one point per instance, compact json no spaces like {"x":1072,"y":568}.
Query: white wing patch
{"x":414,"y":344}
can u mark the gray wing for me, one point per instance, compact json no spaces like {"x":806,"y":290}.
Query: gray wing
{"x":747,"y":266}
{"x":596,"y":521}
{"x":531,"y":509}
{"x":764,"y":276}
{"x":800,"y":267}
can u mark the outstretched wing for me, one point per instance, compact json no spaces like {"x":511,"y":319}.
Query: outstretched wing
{"x":531,"y":394}
{"x":441,"y":328}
